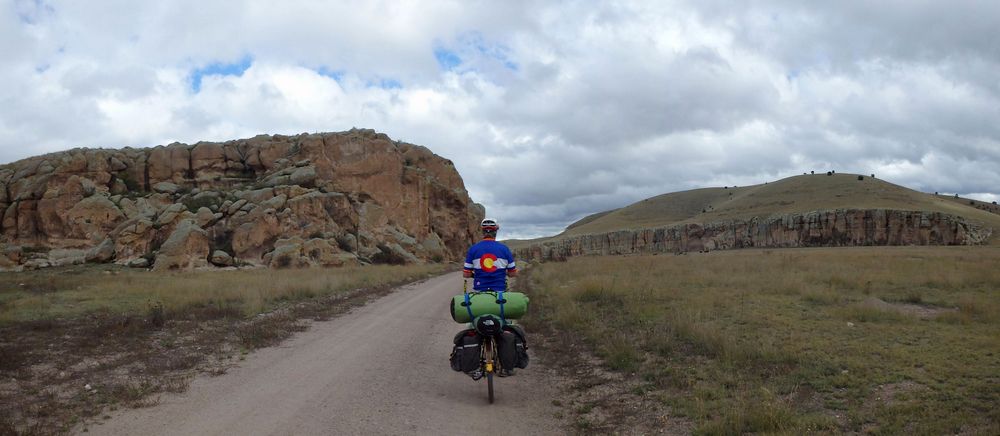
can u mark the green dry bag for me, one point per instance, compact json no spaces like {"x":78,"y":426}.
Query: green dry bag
{"x":483,"y":303}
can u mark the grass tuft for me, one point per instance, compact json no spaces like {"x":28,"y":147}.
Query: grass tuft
{"x":265,"y":331}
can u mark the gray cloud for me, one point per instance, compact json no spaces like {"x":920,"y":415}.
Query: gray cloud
{"x":550,"y":111}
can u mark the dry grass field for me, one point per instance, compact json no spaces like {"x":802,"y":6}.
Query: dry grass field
{"x":78,"y":341}
{"x":886,"y":340}
{"x":71,"y":292}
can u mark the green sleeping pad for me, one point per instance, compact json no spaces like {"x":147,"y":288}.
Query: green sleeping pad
{"x":486,"y":303}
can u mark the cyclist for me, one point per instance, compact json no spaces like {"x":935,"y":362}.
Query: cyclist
{"x":489,"y":262}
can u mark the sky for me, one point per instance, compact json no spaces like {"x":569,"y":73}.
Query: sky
{"x":550,"y":110}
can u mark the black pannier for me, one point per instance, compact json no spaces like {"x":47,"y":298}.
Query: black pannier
{"x":513,"y":348}
{"x":507,"y":349}
{"x":466,"y":355}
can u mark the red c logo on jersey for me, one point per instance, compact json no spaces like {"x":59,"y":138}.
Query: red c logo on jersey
{"x":486,"y":262}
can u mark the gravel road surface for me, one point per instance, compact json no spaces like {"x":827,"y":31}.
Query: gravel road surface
{"x":381,"y":369}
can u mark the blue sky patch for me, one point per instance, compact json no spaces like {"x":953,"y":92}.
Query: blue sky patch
{"x":447,"y":59}
{"x":495,"y":51}
{"x":220,"y":69}
{"x":471,"y":51}
{"x":337,"y":75}
{"x":32,"y":11}
{"x":387,"y":84}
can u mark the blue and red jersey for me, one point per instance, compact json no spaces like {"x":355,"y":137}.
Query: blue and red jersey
{"x":489,"y":260}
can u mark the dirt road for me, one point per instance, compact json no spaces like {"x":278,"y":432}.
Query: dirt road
{"x":381,"y":369}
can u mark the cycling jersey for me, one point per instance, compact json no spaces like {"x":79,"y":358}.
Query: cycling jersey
{"x":490,"y":261}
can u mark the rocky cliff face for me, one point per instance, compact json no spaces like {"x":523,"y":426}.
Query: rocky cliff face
{"x":835,"y":228}
{"x":310,"y":199}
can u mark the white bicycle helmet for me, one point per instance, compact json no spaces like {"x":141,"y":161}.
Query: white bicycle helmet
{"x":489,"y":224}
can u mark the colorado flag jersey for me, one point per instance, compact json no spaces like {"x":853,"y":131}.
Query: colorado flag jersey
{"x":490,"y":261}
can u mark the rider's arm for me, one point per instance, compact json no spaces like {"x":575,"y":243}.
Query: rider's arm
{"x":467,"y":269}
{"x":511,"y":266}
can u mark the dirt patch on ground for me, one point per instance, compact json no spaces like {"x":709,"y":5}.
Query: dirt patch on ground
{"x":911,"y":309}
{"x":57,"y":374}
{"x":887,"y":393}
{"x":595,"y":400}
{"x":600,"y":401}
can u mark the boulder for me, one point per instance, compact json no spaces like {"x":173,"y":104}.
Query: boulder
{"x":171,"y":163}
{"x":7,"y":265}
{"x":253,"y":239}
{"x":93,"y":218}
{"x":221,"y":258}
{"x":116,"y":164}
{"x":208,"y":162}
{"x":322,"y":252}
{"x":287,"y":253}
{"x":303,"y":176}
{"x":237,"y":206}
{"x":393,"y":253}
{"x":434,"y":247}
{"x":101,"y":253}
{"x":173,"y":212}
{"x":255,"y":196}
{"x":34,"y":264}
{"x":133,"y":239}
{"x":187,"y":248}
{"x":13,"y":253}
{"x":298,"y":253}
{"x":66,"y":256}
{"x":166,"y":188}
{"x":205,"y":218}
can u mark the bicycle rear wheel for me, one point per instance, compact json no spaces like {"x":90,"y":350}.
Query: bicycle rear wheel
{"x":489,"y":384}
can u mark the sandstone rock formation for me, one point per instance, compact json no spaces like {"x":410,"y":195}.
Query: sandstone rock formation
{"x":833,"y":228}
{"x":330,"y":199}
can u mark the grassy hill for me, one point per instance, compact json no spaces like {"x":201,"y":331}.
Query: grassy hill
{"x":790,"y":195}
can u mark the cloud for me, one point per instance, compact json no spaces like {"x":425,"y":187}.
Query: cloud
{"x":550,"y":111}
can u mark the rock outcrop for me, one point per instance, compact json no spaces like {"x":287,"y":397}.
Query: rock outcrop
{"x":332,"y":199}
{"x":834,"y":228}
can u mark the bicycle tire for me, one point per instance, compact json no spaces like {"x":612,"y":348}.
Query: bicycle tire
{"x":489,"y":384}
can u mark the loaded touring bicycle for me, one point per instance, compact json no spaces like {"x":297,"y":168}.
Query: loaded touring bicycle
{"x":492,"y":344}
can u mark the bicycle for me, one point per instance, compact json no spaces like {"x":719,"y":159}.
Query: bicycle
{"x":492,"y":343}
{"x":489,"y":361}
